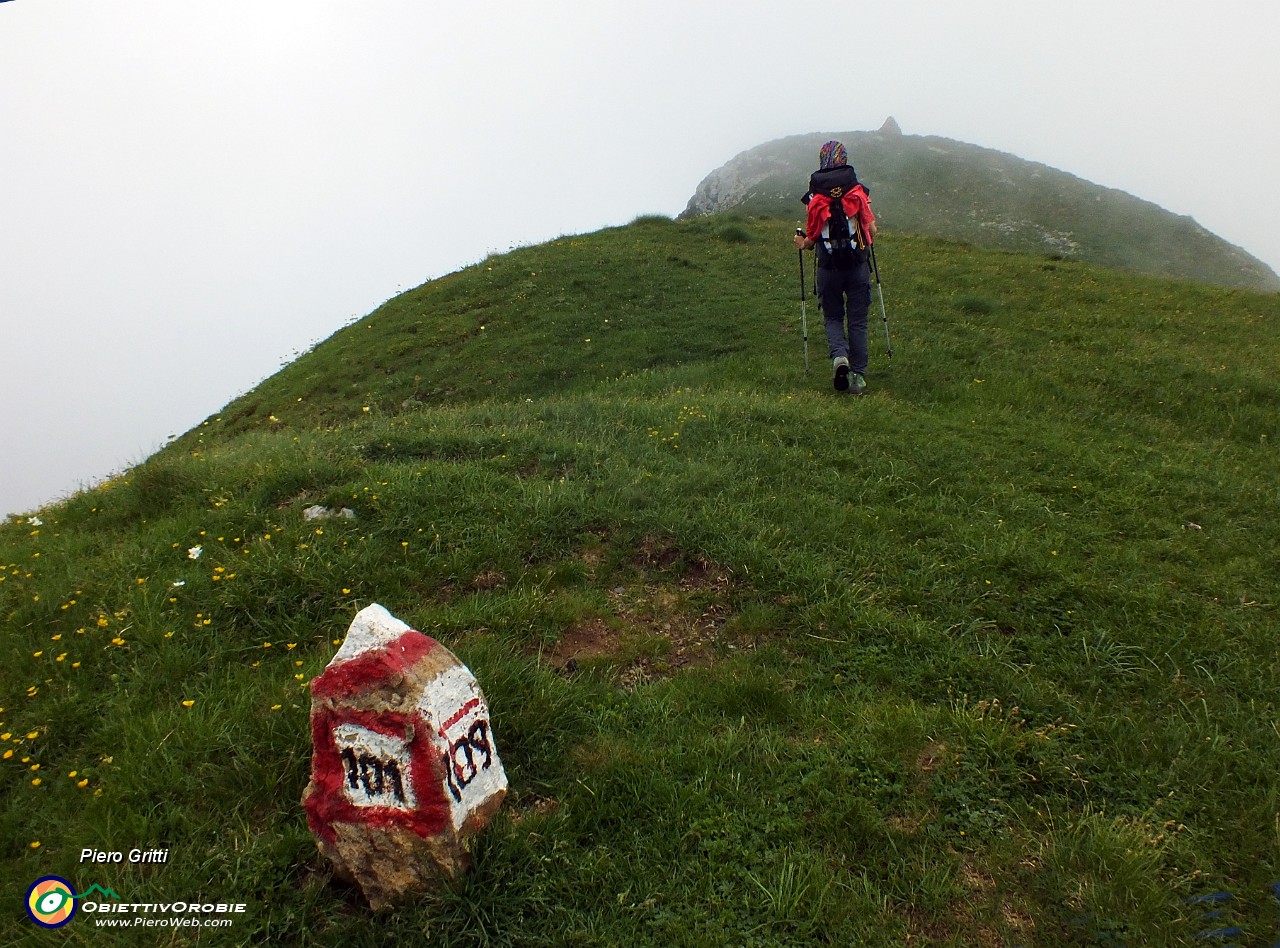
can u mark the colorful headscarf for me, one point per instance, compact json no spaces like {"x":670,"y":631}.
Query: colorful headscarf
{"x":832,"y":155}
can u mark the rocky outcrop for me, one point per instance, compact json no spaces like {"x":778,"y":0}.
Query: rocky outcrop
{"x":730,"y":184}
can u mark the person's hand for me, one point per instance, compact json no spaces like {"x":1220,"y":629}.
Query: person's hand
{"x":801,"y":243}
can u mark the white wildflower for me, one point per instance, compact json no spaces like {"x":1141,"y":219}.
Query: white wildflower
{"x":194,"y":552}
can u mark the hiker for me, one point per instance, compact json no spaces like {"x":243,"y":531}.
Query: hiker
{"x":836,"y":199}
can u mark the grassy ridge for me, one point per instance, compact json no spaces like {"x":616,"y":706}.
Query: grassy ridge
{"x":986,"y":657}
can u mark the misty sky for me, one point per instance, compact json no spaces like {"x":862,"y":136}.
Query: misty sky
{"x":190,"y":194}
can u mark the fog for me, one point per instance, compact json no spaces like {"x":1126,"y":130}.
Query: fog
{"x":192,"y":194}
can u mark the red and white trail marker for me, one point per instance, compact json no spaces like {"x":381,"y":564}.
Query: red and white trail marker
{"x":404,"y":767}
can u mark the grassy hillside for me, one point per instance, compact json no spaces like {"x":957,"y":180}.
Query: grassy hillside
{"x":986,"y":657}
{"x":963,"y":192}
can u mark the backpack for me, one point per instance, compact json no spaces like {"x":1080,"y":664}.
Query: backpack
{"x":841,"y":243}
{"x":839,"y":238}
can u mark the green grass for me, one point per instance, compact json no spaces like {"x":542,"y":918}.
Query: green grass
{"x":985,"y":657}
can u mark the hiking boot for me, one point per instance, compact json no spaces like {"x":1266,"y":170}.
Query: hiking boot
{"x":841,"y":379}
{"x":857,"y":383}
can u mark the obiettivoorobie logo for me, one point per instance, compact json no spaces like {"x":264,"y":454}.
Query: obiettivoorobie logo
{"x":51,"y":901}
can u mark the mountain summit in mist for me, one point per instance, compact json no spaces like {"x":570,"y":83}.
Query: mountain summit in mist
{"x":967,"y":193}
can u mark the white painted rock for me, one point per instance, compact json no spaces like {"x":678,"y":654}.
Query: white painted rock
{"x":404,"y":766}
{"x":317,"y":512}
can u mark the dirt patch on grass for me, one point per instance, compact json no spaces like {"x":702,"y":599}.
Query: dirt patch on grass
{"x":654,"y":608}
{"x":904,"y":825}
{"x":649,"y":632}
{"x":588,"y":639}
{"x":489,"y":579}
{"x":923,"y":929}
{"x":976,"y":881}
{"x":533,"y":806}
{"x":931,"y":757}
{"x":664,"y":613}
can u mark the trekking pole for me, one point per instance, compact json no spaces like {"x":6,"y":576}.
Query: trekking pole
{"x":804,"y":323}
{"x":888,"y":347}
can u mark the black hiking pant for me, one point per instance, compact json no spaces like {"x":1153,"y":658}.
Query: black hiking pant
{"x":845,"y":296}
